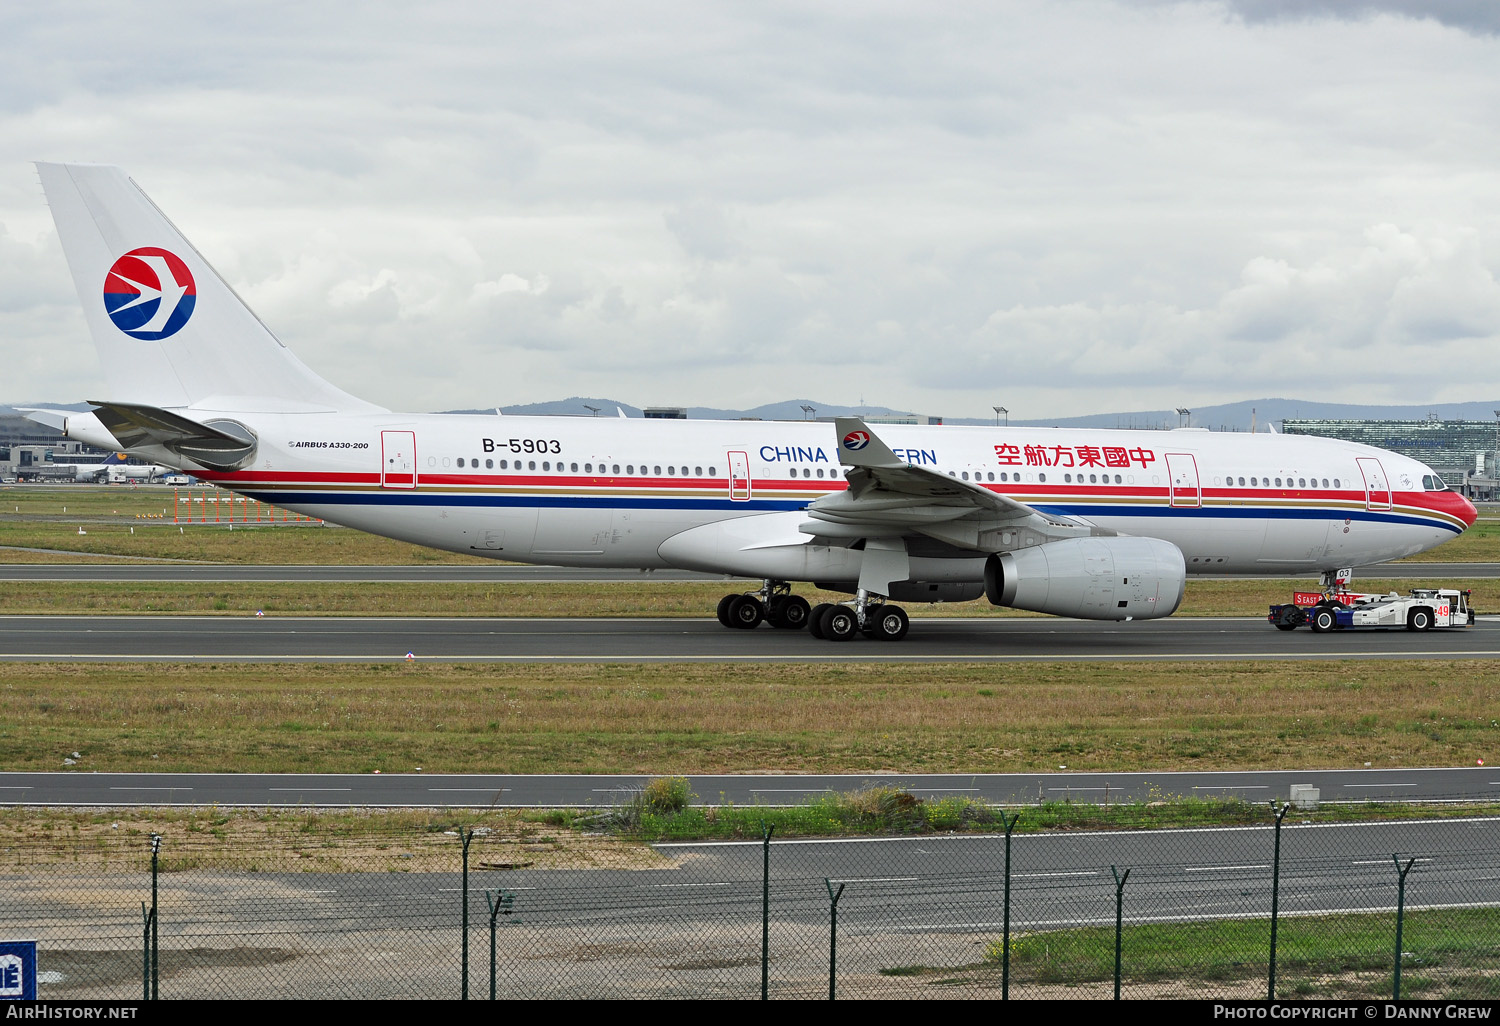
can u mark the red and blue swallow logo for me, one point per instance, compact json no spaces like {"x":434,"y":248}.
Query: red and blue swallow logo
{"x":856,"y":440}
{"x":149,"y":293}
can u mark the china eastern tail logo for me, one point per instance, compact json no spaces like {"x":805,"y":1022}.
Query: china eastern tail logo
{"x":149,"y":293}
{"x":856,"y":440}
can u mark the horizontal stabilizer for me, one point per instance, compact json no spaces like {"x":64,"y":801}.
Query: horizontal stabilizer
{"x":218,"y":444}
{"x":57,"y":420}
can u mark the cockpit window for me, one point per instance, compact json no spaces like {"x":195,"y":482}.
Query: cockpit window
{"x":1433,"y":483}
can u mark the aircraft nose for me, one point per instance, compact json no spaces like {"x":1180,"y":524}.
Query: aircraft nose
{"x":1466,"y":511}
{"x":1454,"y":505}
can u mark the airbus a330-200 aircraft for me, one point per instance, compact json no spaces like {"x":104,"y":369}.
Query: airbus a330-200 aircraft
{"x":1098,"y":524}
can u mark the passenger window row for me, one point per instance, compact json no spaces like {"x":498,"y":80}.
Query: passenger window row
{"x":588,"y":468}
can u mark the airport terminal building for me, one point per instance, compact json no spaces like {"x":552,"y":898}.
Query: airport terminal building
{"x":1462,"y":451}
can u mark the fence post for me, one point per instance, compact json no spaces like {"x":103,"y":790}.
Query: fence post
{"x":1275,"y":896}
{"x":1119,"y":920}
{"x":146,"y":917}
{"x":1400,"y":914}
{"x":155,"y":920}
{"x":466,"y":835}
{"x":765,"y":910}
{"x":833,"y":934}
{"x":1010,"y":824}
{"x":502,"y":901}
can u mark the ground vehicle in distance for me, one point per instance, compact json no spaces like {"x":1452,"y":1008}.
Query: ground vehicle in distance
{"x":1420,"y":610}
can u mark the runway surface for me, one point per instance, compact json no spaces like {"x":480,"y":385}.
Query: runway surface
{"x":480,"y":640}
{"x":422,"y":790}
{"x":224,"y":573}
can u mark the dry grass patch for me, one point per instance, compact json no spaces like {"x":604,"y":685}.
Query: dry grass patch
{"x":282,"y":544}
{"x":711,"y":718}
{"x":344,"y":841}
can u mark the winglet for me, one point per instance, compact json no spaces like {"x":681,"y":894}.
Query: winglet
{"x":861,"y":447}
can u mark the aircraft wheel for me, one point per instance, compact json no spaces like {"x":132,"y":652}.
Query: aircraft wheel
{"x":1419,"y":619}
{"x":891,"y":623}
{"x":839,"y":623}
{"x":724,"y":609}
{"x":872,"y":619}
{"x":815,"y":619}
{"x":790,"y":613}
{"x":1322,"y":620}
{"x":746,"y":612}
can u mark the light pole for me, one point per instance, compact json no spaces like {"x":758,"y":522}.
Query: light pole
{"x":998,"y":411}
{"x":808,"y":412}
{"x":594,"y":410}
{"x":1185,"y":416}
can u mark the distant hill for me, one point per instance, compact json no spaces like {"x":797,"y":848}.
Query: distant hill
{"x":1224,"y":417}
{"x":789,"y":410}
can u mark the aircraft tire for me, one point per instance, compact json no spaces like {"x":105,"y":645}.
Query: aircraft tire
{"x":815,"y":620}
{"x":1322,"y":620}
{"x":839,"y":623}
{"x":746,"y":612}
{"x":790,"y":613}
{"x":724,"y":609}
{"x":891,"y":623}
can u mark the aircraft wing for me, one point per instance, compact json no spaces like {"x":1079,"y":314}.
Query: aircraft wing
{"x":888,"y":496}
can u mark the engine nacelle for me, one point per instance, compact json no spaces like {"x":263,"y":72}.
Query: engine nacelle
{"x":1092,"y":578}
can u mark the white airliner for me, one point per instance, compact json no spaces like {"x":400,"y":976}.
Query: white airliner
{"x":1098,"y":524}
{"x":115,"y":470}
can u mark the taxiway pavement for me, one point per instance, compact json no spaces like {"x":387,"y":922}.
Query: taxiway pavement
{"x":276,"y":638}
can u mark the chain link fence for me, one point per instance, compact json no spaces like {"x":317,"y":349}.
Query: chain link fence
{"x":1301,"y":909}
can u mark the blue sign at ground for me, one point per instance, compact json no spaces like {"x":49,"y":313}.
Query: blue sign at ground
{"x":17,"y":970}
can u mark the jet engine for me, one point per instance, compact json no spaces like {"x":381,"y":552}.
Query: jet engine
{"x":1119,"y":578}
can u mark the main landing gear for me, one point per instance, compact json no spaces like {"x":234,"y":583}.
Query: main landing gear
{"x":775,"y":604}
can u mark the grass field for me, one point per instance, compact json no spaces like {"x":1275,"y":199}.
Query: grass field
{"x":719,"y":718}
{"x":708,"y":718}
{"x":1448,"y":953}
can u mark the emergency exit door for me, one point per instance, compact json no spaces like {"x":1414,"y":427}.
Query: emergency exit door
{"x":398,"y":459}
{"x":1377,"y":485}
{"x":739,"y":476}
{"x":1182,"y":472}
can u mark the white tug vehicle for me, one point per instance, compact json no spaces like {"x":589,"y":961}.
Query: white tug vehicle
{"x":1338,"y":608}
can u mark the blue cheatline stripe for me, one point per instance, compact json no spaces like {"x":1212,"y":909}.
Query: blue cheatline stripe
{"x":402,"y":497}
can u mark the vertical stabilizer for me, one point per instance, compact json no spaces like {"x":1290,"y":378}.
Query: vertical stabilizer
{"x":170,"y":332}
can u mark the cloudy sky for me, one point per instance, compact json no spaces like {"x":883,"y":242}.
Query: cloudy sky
{"x":1061,"y":207}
